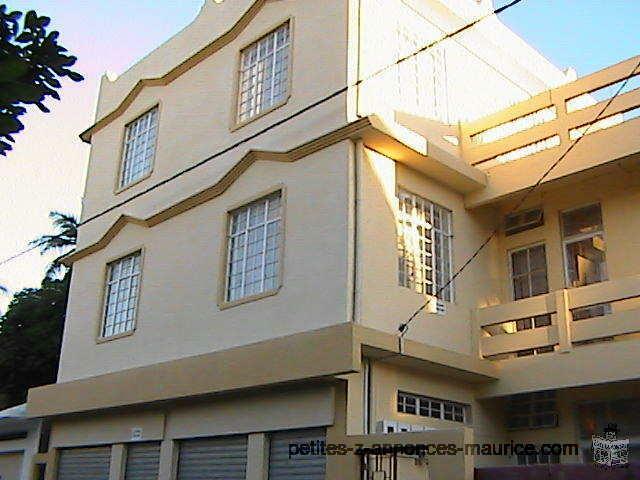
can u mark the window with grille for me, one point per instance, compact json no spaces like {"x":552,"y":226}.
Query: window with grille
{"x":253,"y":264}
{"x":123,"y":283}
{"x":532,"y":410}
{"x":264,"y":73}
{"x":433,"y":407}
{"x":139,"y":147}
{"x":424,"y":246}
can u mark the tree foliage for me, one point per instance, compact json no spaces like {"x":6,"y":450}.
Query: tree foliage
{"x":31,"y":66}
{"x":62,"y":240}
{"x":31,"y":329}
{"x":30,"y":338}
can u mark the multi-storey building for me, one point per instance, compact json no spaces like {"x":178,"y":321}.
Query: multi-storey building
{"x":271,"y":194}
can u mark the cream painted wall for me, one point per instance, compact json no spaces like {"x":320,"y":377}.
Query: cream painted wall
{"x":383,"y":303}
{"x":255,"y":412}
{"x":478,"y":72}
{"x":197,"y":109}
{"x":618,"y":193}
{"x":183,"y":263}
{"x":10,"y":466}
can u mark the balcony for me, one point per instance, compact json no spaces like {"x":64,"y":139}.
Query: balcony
{"x":535,"y":132}
{"x":592,"y":336}
{"x":601,"y":312}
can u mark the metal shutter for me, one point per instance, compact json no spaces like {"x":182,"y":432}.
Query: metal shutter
{"x":84,"y":463}
{"x":213,"y":458}
{"x":143,"y":461}
{"x":298,"y":467}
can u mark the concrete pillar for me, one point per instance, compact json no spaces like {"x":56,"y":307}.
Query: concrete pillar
{"x":257,"y":457}
{"x":563,"y":319}
{"x":168,"y":460}
{"x":118,"y":458}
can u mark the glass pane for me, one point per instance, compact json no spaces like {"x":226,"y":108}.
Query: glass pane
{"x":519,"y":264}
{"x":521,"y":288}
{"x":586,"y":262}
{"x":537,"y":258}
{"x":583,"y":220}
{"x":539,"y":283}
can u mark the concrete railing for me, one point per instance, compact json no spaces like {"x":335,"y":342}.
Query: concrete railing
{"x":622,"y":316}
{"x":536,"y":131}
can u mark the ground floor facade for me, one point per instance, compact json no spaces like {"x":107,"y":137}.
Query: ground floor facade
{"x":321,"y":429}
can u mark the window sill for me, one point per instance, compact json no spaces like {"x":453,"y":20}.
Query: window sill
{"x":101,"y":340}
{"x":132,"y":184}
{"x":239,"y":124}
{"x":251,"y":298}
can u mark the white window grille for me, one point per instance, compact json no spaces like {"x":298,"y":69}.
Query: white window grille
{"x":424,"y":246}
{"x":433,"y":407}
{"x":253,"y":263}
{"x":264,"y":73}
{"x":139,"y":147}
{"x":123,"y":283}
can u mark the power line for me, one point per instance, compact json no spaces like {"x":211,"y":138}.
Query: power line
{"x":300,"y":112}
{"x":404,"y":327}
{"x":17,"y":255}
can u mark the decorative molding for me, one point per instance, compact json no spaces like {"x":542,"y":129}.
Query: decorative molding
{"x":209,"y":193}
{"x":176,"y":71}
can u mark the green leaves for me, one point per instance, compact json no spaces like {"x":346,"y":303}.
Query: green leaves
{"x":31,"y":66}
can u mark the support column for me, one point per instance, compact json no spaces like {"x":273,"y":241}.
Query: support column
{"x":118,"y":458}
{"x":168,"y":468}
{"x":257,"y":456}
{"x":563,"y":319}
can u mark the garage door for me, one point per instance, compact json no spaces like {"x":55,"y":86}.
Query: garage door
{"x":10,"y":465}
{"x":84,"y":463}
{"x":213,"y":458}
{"x":284,"y":466}
{"x":143,"y":461}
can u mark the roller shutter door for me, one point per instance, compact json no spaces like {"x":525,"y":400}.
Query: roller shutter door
{"x":298,"y":467}
{"x":143,"y":461}
{"x":223,"y":458}
{"x":84,"y":463}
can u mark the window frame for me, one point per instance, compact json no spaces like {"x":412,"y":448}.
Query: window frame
{"x":235,"y":122}
{"x":100,"y":337}
{"x":510,"y":253}
{"x":443,"y":404}
{"x":118,"y":187}
{"x":531,"y":400}
{"x":565,"y":240}
{"x":400,"y":191}
{"x":223,"y":303}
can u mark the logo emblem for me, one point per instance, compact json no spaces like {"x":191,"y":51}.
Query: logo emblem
{"x":608,"y":450}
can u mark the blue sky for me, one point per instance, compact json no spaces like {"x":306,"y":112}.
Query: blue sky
{"x":46,"y":170}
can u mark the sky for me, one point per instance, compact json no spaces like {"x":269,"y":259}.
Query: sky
{"x":46,"y":169}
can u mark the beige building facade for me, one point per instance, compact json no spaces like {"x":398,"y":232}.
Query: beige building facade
{"x":275,"y":190}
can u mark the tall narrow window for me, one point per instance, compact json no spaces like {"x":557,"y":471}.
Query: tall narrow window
{"x":264,"y":73}
{"x":254,"y":248}
{"x":139,"y":147}
{"x":424,"y":246}
{"x":123,"y":282}
{"x":584,"y":246}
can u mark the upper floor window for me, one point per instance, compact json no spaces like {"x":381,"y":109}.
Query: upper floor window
{"x":264,"y":73}
{"x":424,"y":246}
{"x":121,"y":296}
{"x":253,"y":258}
{"x":529,"y":272}
{"x":139,"y":148}
{"x":584,"y":246}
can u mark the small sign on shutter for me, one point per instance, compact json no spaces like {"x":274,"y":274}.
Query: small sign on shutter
{"x":136,"y":434}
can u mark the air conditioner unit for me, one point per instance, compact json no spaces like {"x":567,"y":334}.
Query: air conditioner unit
{"x":520,"y":221}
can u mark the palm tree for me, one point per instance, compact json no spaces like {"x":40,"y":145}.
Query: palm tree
{"x":63,"y":240}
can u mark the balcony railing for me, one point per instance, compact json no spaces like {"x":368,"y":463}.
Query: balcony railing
{"x":552,"y":118}
{"x":597,"y":312}
{"x":534,"y":133}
